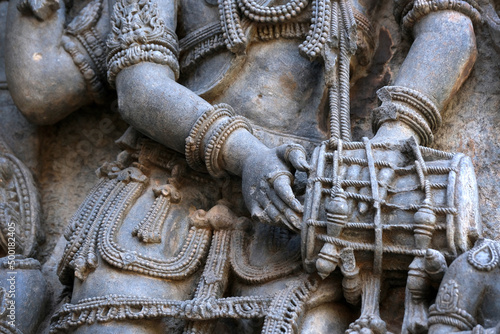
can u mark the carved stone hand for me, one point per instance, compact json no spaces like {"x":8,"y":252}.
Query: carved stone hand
{"x":267,"y":179}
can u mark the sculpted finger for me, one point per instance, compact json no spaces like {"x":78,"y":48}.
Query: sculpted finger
{"x":293,"y":221}
{"x":275,"y":215}
{"x":296,"y":155}
{"x":260,"y":215}
{"x":282,"y":187}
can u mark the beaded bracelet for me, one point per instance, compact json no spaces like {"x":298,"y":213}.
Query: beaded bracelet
{"x":408,"y":106}
{"x":91,"y":62}
{"x":136,"y":54}
{"x":199,"y":131}
{"x":217,"y":140}
{"x":95,"y":86}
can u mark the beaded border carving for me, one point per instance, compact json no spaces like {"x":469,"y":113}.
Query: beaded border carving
{"x":420,"y":8}
{"x":408,"y":106}
{"x":199,"y":131}
{"x":140,"y":36}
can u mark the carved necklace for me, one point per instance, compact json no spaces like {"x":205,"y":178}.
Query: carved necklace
{"x":282,"y":13}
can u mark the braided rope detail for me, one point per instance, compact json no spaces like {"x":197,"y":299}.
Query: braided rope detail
{"x":458,"y":318}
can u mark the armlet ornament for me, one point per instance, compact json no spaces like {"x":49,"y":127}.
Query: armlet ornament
{"x":140,"y":35}
{"x":446,"y":311}
{"x":92,"y":63}
{"x":417,"y":9}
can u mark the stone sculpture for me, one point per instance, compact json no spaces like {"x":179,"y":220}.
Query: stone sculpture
{"x":22,"y":289}
{"x":467,"y":300}
{"x":257,"y":95}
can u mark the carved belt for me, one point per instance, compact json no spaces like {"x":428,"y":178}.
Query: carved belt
{"x":115,"y":308}
{"x":278,"y":310}
{"x":94,"y":227}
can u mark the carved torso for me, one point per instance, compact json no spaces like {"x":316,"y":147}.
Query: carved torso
{"x":271,"y":83}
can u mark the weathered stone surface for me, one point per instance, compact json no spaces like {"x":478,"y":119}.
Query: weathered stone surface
{"x":158,"y":205}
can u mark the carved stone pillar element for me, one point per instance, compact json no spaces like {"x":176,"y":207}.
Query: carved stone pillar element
{"x":23,"y":291}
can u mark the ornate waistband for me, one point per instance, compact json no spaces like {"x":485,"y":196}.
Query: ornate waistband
{"x":279,"y":310}
{"x":118,"y":308}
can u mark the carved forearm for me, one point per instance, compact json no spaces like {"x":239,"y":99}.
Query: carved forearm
{"x":441,"y":57}
{"x":151,"y":101}
{"x":43,"y":80}
{"x":439,"y":61}
{"x":142,"y":63}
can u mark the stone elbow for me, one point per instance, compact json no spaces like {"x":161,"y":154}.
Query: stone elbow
{"x":39,"y":114}
{"x":42,"y":110}
{"x":47,"y":91}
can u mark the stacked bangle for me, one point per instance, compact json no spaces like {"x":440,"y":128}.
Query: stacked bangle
{"x":410,"y":107}
{"x":218,"y":123}
{"x":217,"y":140}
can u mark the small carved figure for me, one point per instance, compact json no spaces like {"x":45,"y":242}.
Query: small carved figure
{"x":227,"y":101}
{"x":468,"y":298}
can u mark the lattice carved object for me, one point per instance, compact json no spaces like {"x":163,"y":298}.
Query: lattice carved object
{"x":429,"y":204}
{"x":19,"y":205}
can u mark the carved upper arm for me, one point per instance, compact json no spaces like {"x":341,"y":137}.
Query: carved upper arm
{"x":142,"y":31}
{"x":57,"y":65}
{"x":409,"y":12}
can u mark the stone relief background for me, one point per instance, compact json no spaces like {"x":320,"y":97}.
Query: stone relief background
{"x":64,"y":157}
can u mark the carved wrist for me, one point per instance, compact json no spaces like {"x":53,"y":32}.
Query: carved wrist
{"x":208,"y":136}
{"x":410,"y":107}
